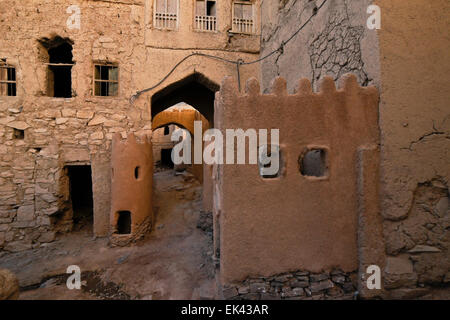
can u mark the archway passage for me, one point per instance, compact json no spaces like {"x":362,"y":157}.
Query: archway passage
{"x":195,"y":90}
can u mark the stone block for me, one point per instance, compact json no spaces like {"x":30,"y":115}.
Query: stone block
{"x":25,"y":213}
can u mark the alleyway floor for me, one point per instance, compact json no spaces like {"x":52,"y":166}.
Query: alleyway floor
{"x":172,"y":262}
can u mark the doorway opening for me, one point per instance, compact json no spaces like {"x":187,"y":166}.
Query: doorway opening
{"x":81,"y":196}
{"x":166,"y":158}
{"x":124,"y":222}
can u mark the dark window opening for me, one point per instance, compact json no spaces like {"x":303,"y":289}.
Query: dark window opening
{"x":8,"y":84}
{"x":137,"y":172}
{"x":166,"y":158}
{"x":19,"y":134}
{"x":210,"y":8}
{"x":314,"y":163}
{"x":106,"y":80}
{"x":124,"y":222}
{"x":166,"y":130}
{"x":80,"y":178}
{"x":60,"y":71}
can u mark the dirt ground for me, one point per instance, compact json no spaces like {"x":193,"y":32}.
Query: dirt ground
{"x":172,"y":262}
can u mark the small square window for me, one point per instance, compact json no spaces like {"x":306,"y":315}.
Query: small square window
{"x":18,"y":134}
{"x":8,"y":83}
{"x":314,"y":163}
{"x":106,"y":80}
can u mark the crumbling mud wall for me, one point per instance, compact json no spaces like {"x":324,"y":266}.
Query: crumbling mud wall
{"x":131,"y":188}
{"x":415,"y":122}
{"x":300,"y":220}
{"x":408,"y":60}
{"x":35,"y":200}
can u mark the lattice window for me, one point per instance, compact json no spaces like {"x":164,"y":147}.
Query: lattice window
{"x":205,"y":15}
{"x":106,"y":80}
{"x":8,"y":82}
{"x":243,"y":17}
{"x":165,"y":14}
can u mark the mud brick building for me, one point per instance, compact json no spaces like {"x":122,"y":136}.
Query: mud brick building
{"x":365,"y":157}
{"x":69,"y":90}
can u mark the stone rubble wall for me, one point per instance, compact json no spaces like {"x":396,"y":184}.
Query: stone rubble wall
{"x":34,"y":186}
{"x":299,"y":285}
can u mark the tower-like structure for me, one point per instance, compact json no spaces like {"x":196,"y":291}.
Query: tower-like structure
{"x":131,"y":188}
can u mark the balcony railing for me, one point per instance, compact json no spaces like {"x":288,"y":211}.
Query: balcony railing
{"x":243,"y":25}
{"x":205,"y":23}
{"x":165,"y":20}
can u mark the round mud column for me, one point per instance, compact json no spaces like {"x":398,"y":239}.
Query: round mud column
{"x":131,"y":188}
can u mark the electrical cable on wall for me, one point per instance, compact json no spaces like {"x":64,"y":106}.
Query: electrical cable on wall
{"x":238,"y":62}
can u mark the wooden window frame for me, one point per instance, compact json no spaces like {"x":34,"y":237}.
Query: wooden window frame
{"x":4,"y":65}
{"x":155,"y":13}
{"x":95,"y":80}
{"x":249,"y":3}
{"x":201,"y":20}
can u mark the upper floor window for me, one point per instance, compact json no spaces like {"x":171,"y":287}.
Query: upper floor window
{"x":205,"y":15}
{"x":59,"y":57}
{"x":60,"y":71}
{"x":165,"y":14}
{"x":7,"y":79}
{"x":106,"y":80}
{"x":243,"y":17}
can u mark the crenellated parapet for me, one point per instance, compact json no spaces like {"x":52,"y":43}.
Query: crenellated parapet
{"x":308,"y":215}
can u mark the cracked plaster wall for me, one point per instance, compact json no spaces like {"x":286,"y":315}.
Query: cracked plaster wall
{"x":409,"y":61}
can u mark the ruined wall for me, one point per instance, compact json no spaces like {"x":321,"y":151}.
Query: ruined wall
{"x":297,"y":221}
{"x":408,"y":60}
{"x":415,"y":123}
{"x":59,"y":131}
{"x":34,"y":188}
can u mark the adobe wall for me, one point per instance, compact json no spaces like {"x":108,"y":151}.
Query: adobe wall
{"x":34,"y":190}
{"x":415,"y":123}
{"x":296,"y":222}
{"x":408,"y":61}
